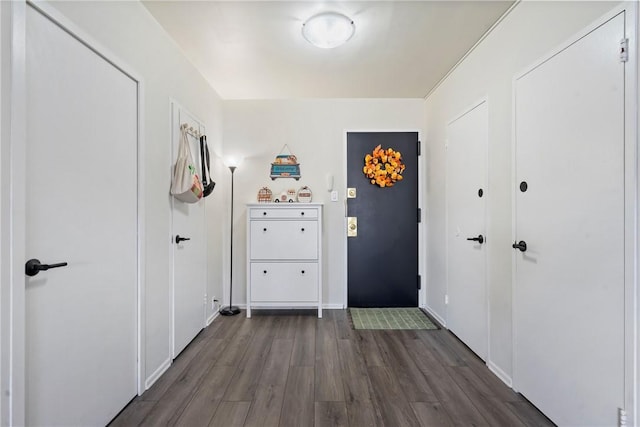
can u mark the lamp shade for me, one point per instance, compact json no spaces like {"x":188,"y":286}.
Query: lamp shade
{"x":328,"y":30}
{"x":233,"y":161}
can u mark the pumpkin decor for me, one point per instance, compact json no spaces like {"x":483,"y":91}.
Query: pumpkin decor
{"x":383,"y":167}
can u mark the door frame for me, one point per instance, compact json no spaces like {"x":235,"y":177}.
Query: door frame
{"x":421,"y":224}
{"x":488,"y":243}
{"x":13,"y":200}
{"x":631,"y":196}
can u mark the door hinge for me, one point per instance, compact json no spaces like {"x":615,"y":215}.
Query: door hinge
{"x":419,"y":215}
{"x":418,"y":148}
{"x":419,"y":282}
{"x":624,"y":50}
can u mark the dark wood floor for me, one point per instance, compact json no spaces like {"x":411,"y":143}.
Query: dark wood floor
{"x":289,"y":368}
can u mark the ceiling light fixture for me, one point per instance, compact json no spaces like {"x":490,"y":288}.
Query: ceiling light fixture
{"x":328,"y":29}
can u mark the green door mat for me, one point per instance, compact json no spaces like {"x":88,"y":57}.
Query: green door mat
{"x":390,"y":318}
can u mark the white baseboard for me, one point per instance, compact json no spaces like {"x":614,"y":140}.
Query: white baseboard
{"x":212,"y":318}
{"x":333,"y":306}
{"x":435,"y":316}
{"x":500,"y":374}
{"x":292,"y":306}
{"x":157,"y":374}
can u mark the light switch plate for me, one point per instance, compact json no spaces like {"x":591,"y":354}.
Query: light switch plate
{"x":334,"y":196}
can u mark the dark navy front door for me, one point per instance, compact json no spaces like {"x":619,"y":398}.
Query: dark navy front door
{"x":383,"y":257}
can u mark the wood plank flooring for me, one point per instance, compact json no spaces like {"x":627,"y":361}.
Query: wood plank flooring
{"x":289,"y":368}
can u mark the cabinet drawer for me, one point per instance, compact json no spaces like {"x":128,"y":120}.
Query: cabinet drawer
{"x":284,"y":240}
{"x":267,"y":213}
{"x":284,"y":282}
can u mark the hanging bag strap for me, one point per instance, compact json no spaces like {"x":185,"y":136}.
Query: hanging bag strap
{"x":207,"y":182}
{"x":204,"y":160}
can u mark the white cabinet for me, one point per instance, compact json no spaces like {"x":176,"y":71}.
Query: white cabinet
{"x":284,"y":255}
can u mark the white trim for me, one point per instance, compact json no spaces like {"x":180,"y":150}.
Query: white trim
{"x":469,"y":109}
{"x":421,"y":225}
{"x":632,"y":186}
{"x":631,"y":196}
{"x":575,"y":38}
{"x":470,"y":51}
{"x":333,"y":307}
{"x":514,"y":193}
{"x":12,"y":204}
{"x":157,"y":373}
{"x":172,"y":119}
{"x":345,"y":240}
{"x":436,"y":316}
{"x":48,"y":10}
{"x":142,"y":245}
{"x":634,"y":317}
{"x":504,"y":377}
{"x":288,"y":306}
{"x":18,"y":161}
{"x":213,"y":317}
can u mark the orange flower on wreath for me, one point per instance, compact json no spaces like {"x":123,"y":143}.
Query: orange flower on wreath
{"x":383,"y":167}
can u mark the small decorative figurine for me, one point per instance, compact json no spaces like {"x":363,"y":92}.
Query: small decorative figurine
{"x":288,"y":196}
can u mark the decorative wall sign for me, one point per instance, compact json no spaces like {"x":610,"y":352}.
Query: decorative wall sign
{"x":285,"y":165}
{"x":383,"y":167}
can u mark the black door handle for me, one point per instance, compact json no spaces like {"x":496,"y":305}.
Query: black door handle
{"x":479,"y":239}
{"x":33,"y":266}
{"x":522,"y":245}
{"x":181,"y":239}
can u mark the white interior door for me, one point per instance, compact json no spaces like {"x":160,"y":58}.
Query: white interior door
{"x":81,"y":208}
{"x":189,"y":256}
{"x":569,"y":284}
{"x":466,"y":259}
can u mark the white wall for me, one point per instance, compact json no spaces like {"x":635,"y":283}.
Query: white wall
{"x":131,"y":34}
{"x":529,"y":32}
{"x":314,"y":131}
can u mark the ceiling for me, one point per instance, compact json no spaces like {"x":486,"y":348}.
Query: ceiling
{"x":255,"y":50}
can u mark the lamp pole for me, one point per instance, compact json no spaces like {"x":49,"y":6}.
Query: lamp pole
{"x":231,"y":310}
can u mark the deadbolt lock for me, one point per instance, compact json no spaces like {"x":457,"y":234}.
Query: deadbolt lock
{"x":352,"y":226}
{"x":351,"y":193}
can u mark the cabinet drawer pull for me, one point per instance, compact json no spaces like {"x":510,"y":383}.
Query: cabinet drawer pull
{"x":302,"y":229}
{"x":264,"y":229}
{"x":302,"y":213}
{"x":264,"y":271}
{"x":264,"y":213}
{"x":302,"y":271}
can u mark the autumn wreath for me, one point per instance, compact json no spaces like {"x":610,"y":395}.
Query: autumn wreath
{"x":383,"y":167}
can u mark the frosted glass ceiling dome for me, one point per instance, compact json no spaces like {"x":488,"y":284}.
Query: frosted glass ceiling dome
{"x":328,"y":29}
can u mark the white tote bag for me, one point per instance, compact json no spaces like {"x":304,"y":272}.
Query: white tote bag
{"x":185,"y":185}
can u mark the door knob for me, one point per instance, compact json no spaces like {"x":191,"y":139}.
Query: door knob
{"x":33,"y":267}
{"x":479,"y":239}
{"x":522,"y":245}
{"x":181,"y":239}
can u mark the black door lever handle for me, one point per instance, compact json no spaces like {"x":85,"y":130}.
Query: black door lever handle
{"x":522,"y":245}
{"x":479,"y":239}
{"x":181,"y":239}
{"x":33,"y":266}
